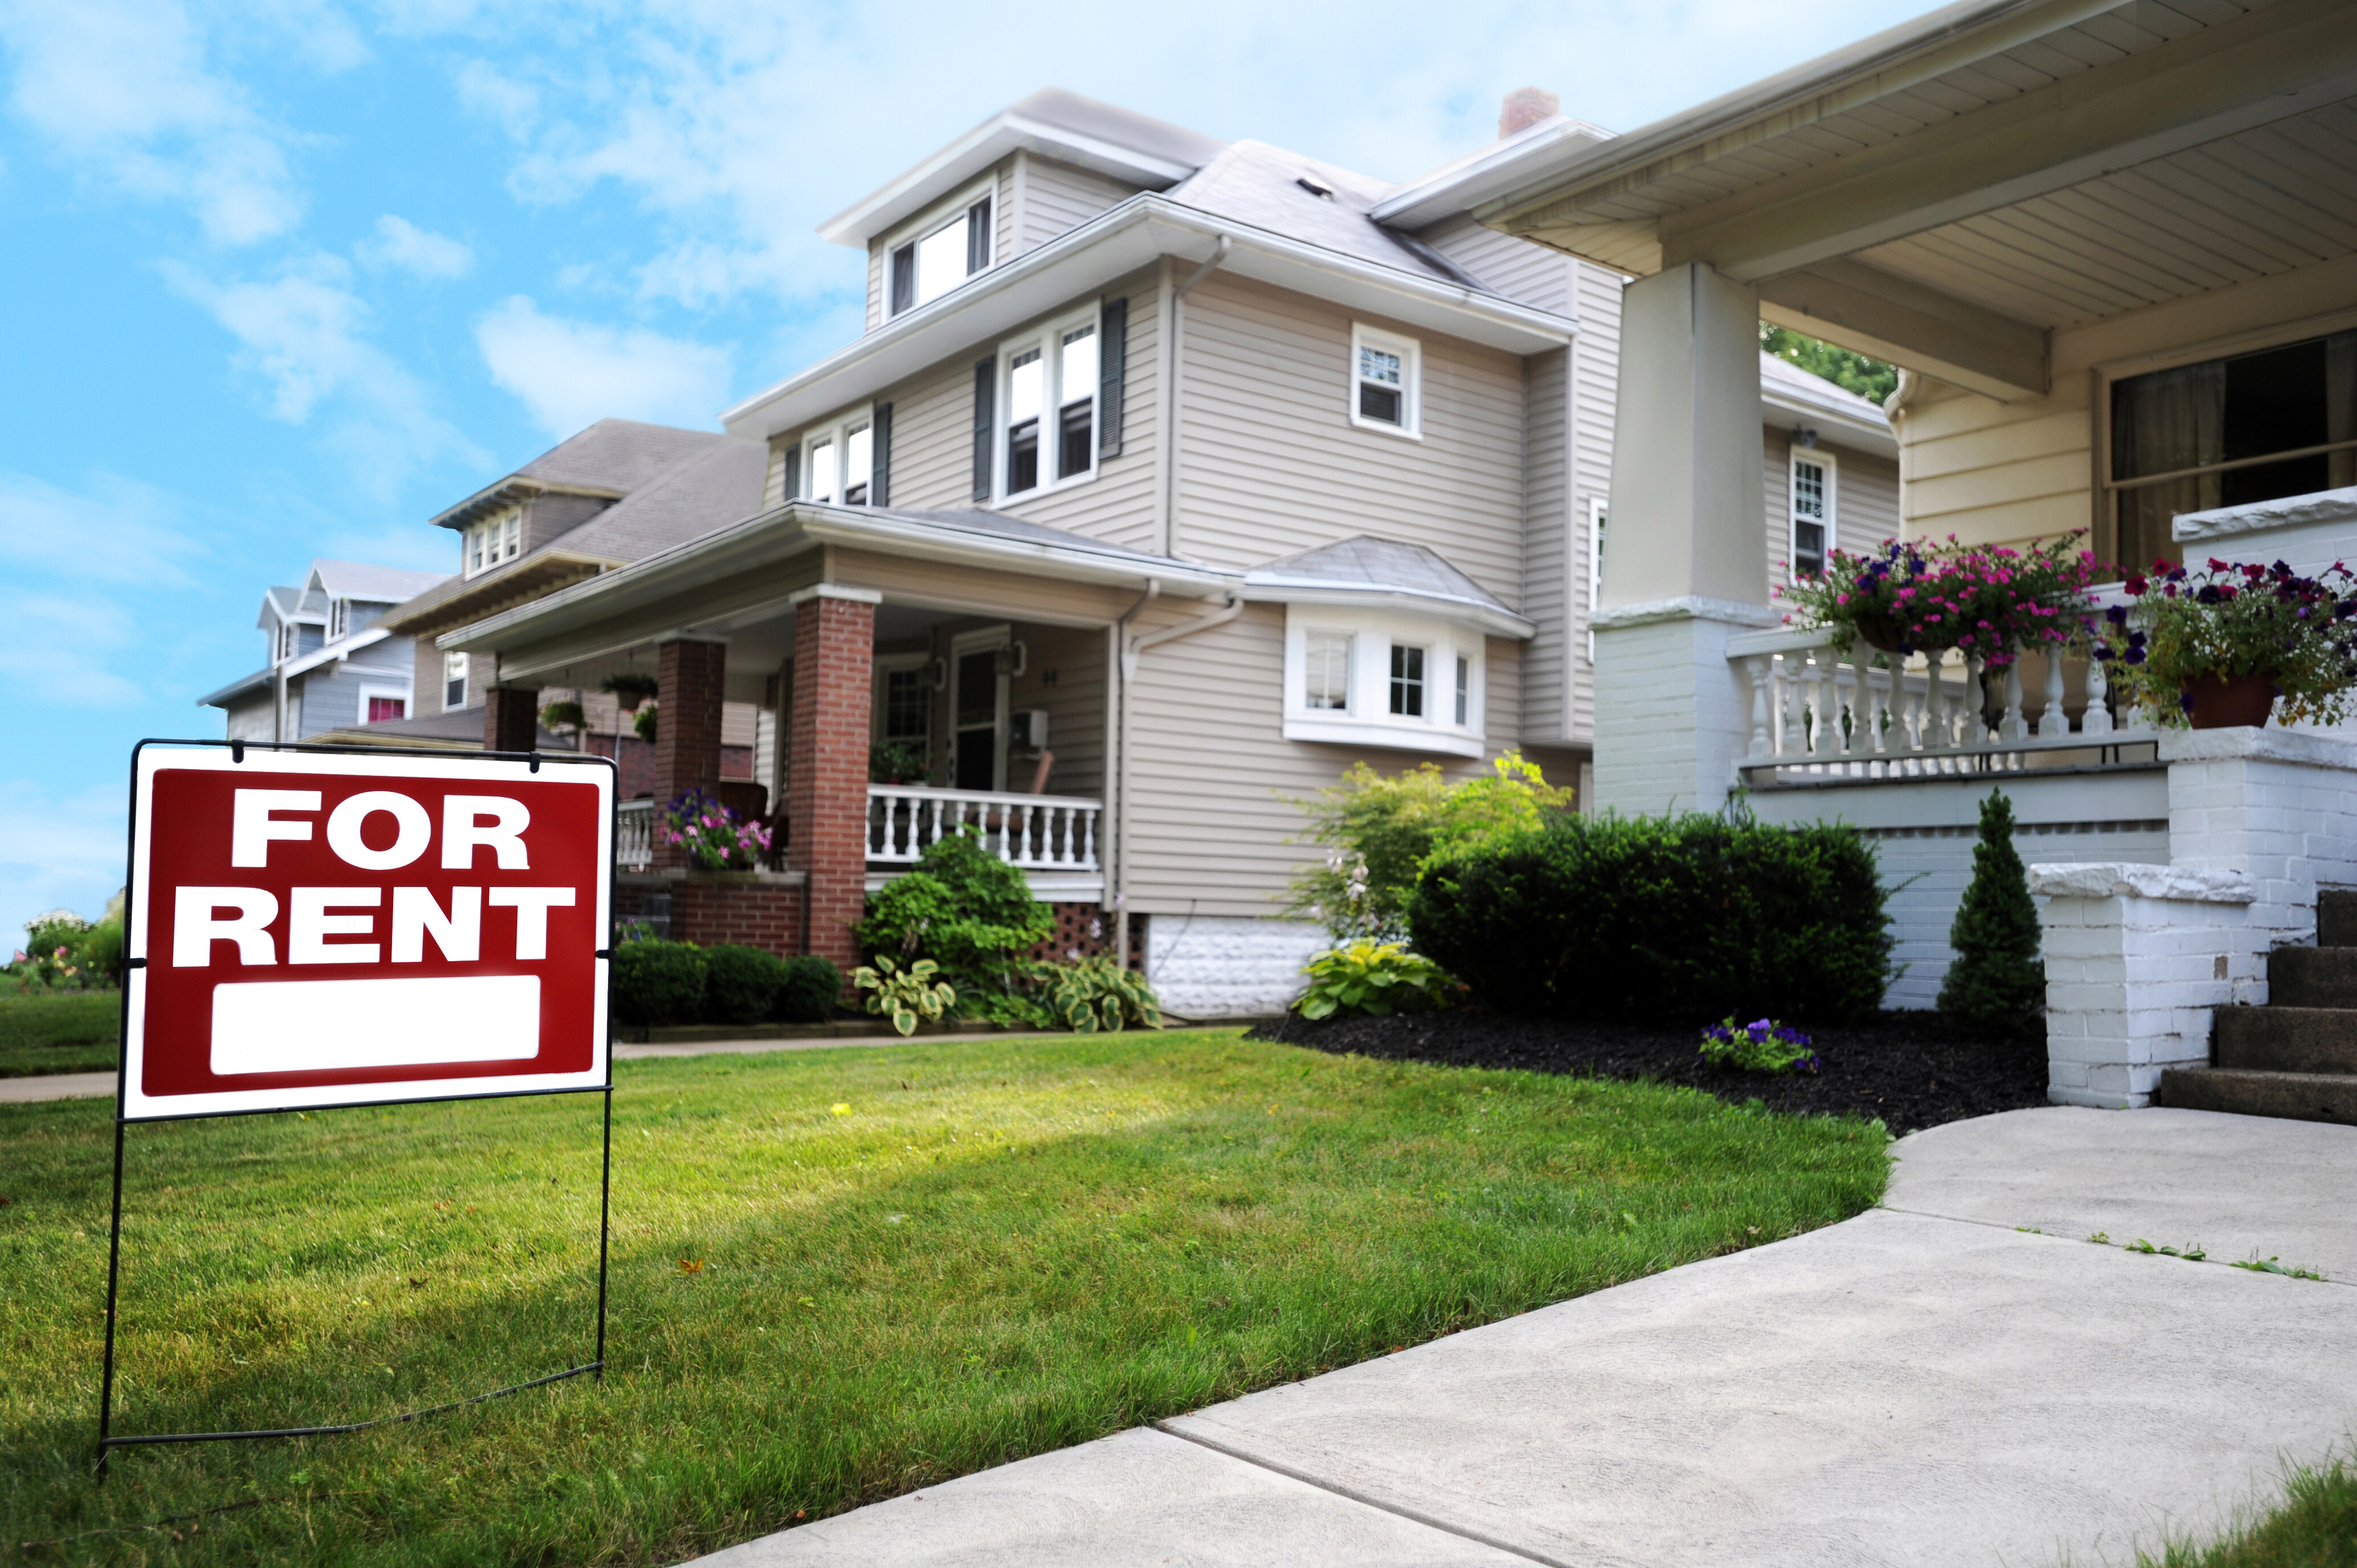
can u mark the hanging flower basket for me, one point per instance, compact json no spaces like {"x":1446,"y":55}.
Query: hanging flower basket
{"x":1927,"y":596}
{"x":630,"y":688}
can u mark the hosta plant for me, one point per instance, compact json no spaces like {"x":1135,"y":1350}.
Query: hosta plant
{"x":1375,"y":978}
{"x":904,"y":996}
{"x":1761,"y":1045}
{"x":1087,"y":994}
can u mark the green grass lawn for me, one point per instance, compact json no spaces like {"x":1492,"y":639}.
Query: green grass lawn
{"x":899,"y":1265}
{"x":66,"y":1031}
{"x":2313,"y":1525}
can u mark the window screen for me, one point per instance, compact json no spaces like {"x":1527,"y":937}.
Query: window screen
{"x":1382,"y":395}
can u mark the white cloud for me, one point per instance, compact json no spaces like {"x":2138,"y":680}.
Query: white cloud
{"x":53,"y":650}
{"x":571,"y":373}
{"x":304,"y":331}
{"x":420,"y":251}
{"x":124,"y":88}
{"x":60,"y":851}
{"x":120,"y":531}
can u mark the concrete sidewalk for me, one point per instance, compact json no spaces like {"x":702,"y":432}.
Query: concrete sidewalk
{"x":1925,"y":1385}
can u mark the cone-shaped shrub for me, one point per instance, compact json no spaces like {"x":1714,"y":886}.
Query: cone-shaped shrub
{"x":1997,"y":977}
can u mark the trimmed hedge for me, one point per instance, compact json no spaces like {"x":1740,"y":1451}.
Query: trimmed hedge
{"x":1675,"y":919}
{"x":658,"y":983}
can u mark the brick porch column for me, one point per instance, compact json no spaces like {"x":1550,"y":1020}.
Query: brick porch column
{"x":689,"y":678}
{"x":510,"y":718}
{"x":826,"y":790}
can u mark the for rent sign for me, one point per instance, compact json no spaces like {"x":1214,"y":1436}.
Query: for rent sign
{"x":328,"y":929}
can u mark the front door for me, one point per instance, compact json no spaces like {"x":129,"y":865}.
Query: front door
{"x":981,"y":719}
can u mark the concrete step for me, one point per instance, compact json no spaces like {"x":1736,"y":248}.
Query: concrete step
{"x":2293,"y":1096}
{"x":2312,"y":977}
{"x":2336,"y":918}
{"x":2287,"y":1039}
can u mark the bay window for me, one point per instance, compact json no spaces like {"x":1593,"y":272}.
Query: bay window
{"x":1408,"y":681}
{"x":1388,"y":679}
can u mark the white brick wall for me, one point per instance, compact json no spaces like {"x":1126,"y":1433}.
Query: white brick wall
{"x":1226,"y":966}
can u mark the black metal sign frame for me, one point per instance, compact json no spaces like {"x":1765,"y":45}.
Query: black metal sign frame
{"x":108,"y":1440}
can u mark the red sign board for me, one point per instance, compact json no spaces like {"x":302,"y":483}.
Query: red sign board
{"x":336,"y":929}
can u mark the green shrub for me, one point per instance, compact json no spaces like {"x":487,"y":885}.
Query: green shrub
{"x":964,"y":909}
{"x":1086,"y":994}
{"x":811,"y":988}
{"x":1377,"y":978}
{"x":658,"y":983}
{"x":1997,"y":978}
{"x":741,"y":983}
{"x":1381,"y":833}
{"x":1678,"y":919}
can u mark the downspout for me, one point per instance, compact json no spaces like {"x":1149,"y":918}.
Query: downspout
{"x":1170,"y":353}
{"x":1205,"y":622}
{"x":1115,"y":841}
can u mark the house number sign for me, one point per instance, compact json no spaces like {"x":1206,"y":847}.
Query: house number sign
{"x":312,"y":928}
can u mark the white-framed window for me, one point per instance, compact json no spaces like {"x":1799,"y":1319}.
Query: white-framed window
{"x":334,"y":618}
{"x":818,"y":469}
{"x":838,"y":459}
{"x":496,"y":539}
{"x":379,"y":703}
{"x":1812,"y":495}
{"x":454,"y":682}
{"x":1386,"y":381}
{"x":1326,"y":671}
{"x":904,"y":698}
{"x":1383,"y":678}
{"x":939,"y":252}
{"x":858,"y":462}
{"x":286,"y":641}
{"x":1047,"y":407}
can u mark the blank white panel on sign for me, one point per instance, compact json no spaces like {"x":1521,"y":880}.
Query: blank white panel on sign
{"x":311,"y":1026}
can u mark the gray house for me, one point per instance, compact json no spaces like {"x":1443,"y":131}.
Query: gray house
{"x":330,"y":667}
{"x":1170,"y":478}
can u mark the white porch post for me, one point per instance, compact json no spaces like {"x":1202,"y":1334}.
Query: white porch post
{"x":1685,"y":564}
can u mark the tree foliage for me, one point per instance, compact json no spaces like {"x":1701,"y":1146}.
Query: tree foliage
{"x":1999,"y":977}
{"x":1852,"y":371}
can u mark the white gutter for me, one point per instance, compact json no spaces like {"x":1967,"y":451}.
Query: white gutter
{"x":1457,"y":186}
{"x":336,"y":650}
{"x":1844,"y":425}
{"x":1121,"y":240}
{"x":1207,"y":621}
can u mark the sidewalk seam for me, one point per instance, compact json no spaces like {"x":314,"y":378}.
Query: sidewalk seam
{"x":2050,"y":1236}
{"x":1414,"y":1515}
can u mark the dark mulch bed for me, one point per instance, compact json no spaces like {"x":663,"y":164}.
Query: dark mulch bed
{"x":1911,"y":1070}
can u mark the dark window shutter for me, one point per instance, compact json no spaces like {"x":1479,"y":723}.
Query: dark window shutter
{"x":1112,"y":357}
{"x":879,"y":458}
{"x":985,"y":384}
{"x":901,"y":266}
{"x":793,"y":485}
{"x":978,"y":236}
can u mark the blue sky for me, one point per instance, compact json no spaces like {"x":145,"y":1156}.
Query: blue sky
{"x":285,"y":278}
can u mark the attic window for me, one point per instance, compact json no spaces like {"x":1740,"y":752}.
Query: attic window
{"x":1322,"y":191}
{"x":940,"y":256}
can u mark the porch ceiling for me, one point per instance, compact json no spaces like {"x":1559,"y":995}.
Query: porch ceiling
{"x":1950,"y":192}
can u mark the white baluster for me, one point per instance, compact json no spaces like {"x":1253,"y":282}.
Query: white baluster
{"x":1976,"y":735}
{"x":2053,"y":721}
{"x":1757,"y":665}
{"x":1795,"y":740}
{"x":1813,"y":705}
{"x":2013,"y":728}
{"x":2097,"y":719}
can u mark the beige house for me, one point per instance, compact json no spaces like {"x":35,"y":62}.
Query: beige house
{"x":1168,"y":479}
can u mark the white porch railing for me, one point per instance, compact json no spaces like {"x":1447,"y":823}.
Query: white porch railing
{"x":634,"y":834}
{"x":1814,"y":713}
{"x":1038,"y":832}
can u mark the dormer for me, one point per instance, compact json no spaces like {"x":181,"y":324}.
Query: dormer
{"x":1048,"y":163}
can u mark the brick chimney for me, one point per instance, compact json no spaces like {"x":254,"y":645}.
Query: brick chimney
{"x":1525,"y":107}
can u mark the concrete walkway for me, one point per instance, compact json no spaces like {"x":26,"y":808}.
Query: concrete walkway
{"x":1925,"y":1385}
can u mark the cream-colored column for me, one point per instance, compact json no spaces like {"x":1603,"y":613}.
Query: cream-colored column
{"x":1685,"y":563}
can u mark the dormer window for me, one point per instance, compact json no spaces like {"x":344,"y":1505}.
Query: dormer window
{"x":336,"y":618}
{"x":938,"y":256}
{"x":486,"y":544}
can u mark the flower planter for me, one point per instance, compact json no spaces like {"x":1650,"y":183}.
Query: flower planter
{"x":2229,"y":701}
{"x":1877,"y":632}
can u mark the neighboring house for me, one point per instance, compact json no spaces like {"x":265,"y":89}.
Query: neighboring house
{"x":614,"y":494}
{"x":1170,"y":478}
{"x":2115,"y":250}
{"x":332,"y":667}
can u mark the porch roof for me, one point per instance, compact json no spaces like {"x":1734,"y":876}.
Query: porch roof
{"x":1384,"y":573}
{"x":720,"y":558}
{"x":1948,"y":193}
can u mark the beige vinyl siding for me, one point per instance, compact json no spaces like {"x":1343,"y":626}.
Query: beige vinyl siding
{"x":1207,"y":818}
{"x":1596,"y":362}
{"x":1992,"y":472}
{"x":1074,"y":659}
{"x":774,"y":478}
{"x":1522,"y":269}
{"x":1005,"y":196}
{"x":992,"y":595}
{"x":875,"y":282}
{"x":1058,"y":198}
{"x":1270,"y":464}
{"x":1547,"y":535}
{"x":933,"y":437}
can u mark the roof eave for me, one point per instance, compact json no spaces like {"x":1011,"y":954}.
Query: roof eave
{"x":1460,"y":186}
{"x":508,"y":491}
{"x":1119,"y":241}
{"x":1849,"y":426}
{"x":234,"y":690}
{"x":1272,"y":589}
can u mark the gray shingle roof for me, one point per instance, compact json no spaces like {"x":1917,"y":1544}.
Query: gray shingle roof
{"x":1365,"y":562}
{"x":1254,"y":183}
{"x":376,"y":585}
{"x":1016,"y":528}
{"x":616,"y":455}
{"x":714,"y":483}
